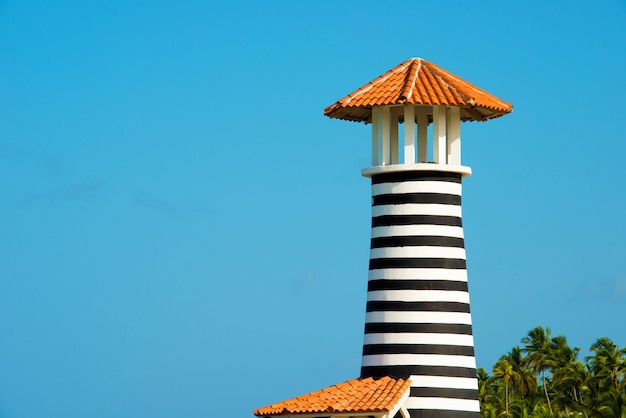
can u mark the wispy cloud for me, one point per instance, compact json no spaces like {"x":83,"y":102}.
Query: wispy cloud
{"x":49,"y":163}
{"x":606,"y":289}
{"x":304,"y":282}
{"x":167,"y":207}
{"x":70,"y":193}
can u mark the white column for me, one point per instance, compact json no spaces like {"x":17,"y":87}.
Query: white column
{"x":439,"y":134}
{"x":376,"y":135}
{"x":395,"y":120}
{"x":386,"y":135}
{"x":454,"y":135}
{"x":422,"y":135}
{"x":409,"y":134}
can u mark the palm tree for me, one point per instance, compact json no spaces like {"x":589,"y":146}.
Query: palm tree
{"x":537,"y":346}
{"x":503,"y":371}
{"x":527,"y":382}
{"x":612,"y":404}
{"x":608,"y":362}
{"x":569,"y":374}
{"x":483,"y":378}
{"x":487,"y":394}
{"x":512,"y":377}
{"x":571,"y":381}
{"x":594,"y":389}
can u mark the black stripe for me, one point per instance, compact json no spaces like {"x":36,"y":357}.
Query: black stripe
{"x":400,"y":198}
{"x":417,"y":241}
{"x":390,"y":220}
{"x":451,"y":350}
{"x":438,"y":263}
{"x":416,"y":176}
{"x":383,"y":284}
{"x":401,"y":328}
{"x":397,"y":306}
{"x":444,"y":393}
{"x":406,"y":371}
{"x":440,"y":413}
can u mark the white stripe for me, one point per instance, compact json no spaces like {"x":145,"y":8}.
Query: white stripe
{"x":443,"y":403}
{"x":419,"y":295}
{"x":444,"y":382}
{"x":418,"y":252}
{"x":444,"y":187}
{"x":409,"y":230}
{"x":424,"y":338}
{"x":419,"y":317}
{"x":417,"y":209}
{"x":421,"y":359}
{"x":456,"y":275}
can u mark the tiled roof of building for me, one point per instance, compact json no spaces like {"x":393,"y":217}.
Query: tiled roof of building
{"x":417,"y":81}
{"x":353,"y":396}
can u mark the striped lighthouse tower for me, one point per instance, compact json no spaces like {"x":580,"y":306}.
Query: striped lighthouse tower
{"x":418,"y":324}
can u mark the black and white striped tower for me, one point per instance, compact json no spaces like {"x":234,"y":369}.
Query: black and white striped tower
{"x":418,"y":323}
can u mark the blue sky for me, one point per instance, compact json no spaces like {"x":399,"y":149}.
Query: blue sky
{"x":183,"y":233}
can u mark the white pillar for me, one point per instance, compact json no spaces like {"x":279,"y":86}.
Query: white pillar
{"x":386,"y":135}
{"x":454,"y":135}
{"x":439,"y":134}
{"x":395,"y":120}
{"x":422,"y":135}
{"x":409,"y":134}
{"x":376,"y":135}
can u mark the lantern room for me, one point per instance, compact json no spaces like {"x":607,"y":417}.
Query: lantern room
{"x":416,"y":110}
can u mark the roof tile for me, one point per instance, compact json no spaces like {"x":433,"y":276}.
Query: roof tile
{"x":353,"y":396}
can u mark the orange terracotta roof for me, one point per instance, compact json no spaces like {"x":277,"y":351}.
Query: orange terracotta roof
{"x":417,"y":81}
{"x":353,"y":396}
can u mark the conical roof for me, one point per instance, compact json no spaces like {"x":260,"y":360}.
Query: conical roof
{"x":417,"y":81}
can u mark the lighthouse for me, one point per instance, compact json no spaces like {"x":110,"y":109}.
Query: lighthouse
{"x":418,"y":348}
